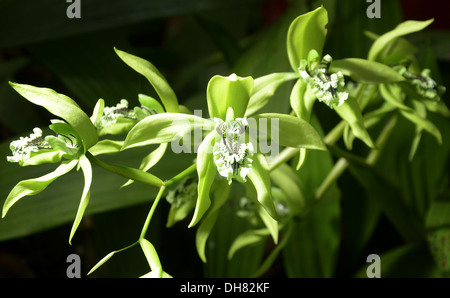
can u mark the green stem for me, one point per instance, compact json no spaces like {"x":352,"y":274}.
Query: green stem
{"x":152,"y":211}
{"x":371,"y":159}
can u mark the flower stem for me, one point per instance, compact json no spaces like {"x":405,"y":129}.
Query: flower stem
{"x":152,"y":210}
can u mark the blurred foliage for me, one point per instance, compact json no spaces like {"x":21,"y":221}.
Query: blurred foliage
{"x":189,"y":41}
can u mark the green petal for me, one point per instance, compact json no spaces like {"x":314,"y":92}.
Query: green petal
{"x":150,"y":103}
{"x":220,"y":197}
{"x":87,"y":172}
{"x":265,"y":88}
{"x":150,"y":160}
{"x":225,"y":92}
{"x":61,"y":106}
{"x":351,"y":113}
{"x":289,"y":131}
{"x":305,"y":33}
{"x":402,"y":29}
{"x":164,"y":128}
{"x":98,"y":110}
{"x":206,"y":169}
{"x":151,"y":255}
{"x":148,"y":70}
{"x":366,"y":71}
{"x":32,"y":187}
{"x":260,"y":177}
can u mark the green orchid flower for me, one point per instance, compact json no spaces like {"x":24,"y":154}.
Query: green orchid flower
{"x":231,"y":148}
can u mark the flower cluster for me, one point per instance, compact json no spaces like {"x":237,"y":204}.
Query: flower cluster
{"x":111,"y":114}
{"x":424,"y":84}
{"x":23,"y":148}
{"x":185,"y":192}
{"x":233,"y":157}
{"x":328,"y":88}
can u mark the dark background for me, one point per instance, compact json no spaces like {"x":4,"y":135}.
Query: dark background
{"x":189,"y":41}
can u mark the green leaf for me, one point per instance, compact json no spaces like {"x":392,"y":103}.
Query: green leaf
{"x":260,"y":177}
{"x":87,"y":172}
{"x":264,"y":89}
{"x":307,"y":32}
{"x":206,"y":169}
{"x":402,"y":29}
{"x":224,"y":92}
{"x":32,"y":187}
{"x":164,"y":128}
{"x":351,"y":113}
{"x":152,"y":74}
{"x":150,"y":160}
{"x":151,"y":255}
{"x":220,"y":197}
{"x":366,"y":71}
{"x":288,"y":131}
{"x":63,"y":107}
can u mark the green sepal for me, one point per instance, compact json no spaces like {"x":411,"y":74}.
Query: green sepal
{"x":151,"y":104}
{"x":221,"y":192}
{"x":289,"y":131}
{"x":206,"y":169}
{"x":366,"y":71}
{"x":64,"y":107}
{"x":150,"y":160}
{"x":152,"y":257}
{"x":305,"y":33}
{"x":164,"y":128}
{"x":265,"y":87}
{"x":152,"y":74}
{"x":350,"y":112}
{"x":259,"y":175}
{"x":407,"y":27}
{"x":224,"y":92}
{"x":34,"y":186}
{"x":86,"y":167}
